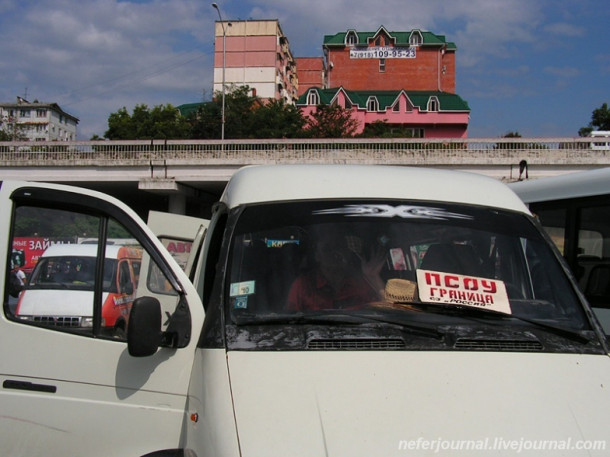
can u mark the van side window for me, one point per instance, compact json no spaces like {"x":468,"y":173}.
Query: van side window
{"x":52,"y":289}
{"x":75,"y":272}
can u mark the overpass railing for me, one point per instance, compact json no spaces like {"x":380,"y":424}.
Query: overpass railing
{"x":390,"y":151}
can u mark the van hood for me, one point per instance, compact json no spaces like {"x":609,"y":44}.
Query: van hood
{"x":57,"y":302}
{"x":418,"y":403}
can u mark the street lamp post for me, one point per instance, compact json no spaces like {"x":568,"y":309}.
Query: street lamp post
{"x":224,"y":64}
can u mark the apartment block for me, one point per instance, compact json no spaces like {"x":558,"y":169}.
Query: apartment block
{"x":35,"y":121}
{"x":256,"y":54}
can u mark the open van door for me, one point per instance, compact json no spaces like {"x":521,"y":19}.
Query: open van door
{"x":181,"y":235}
{"x":69,"y":385}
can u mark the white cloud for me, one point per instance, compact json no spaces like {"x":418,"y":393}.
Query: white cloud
{"x":563,"y":72}
{"x":96,"y":56}
{"x":566,"y":30}
{"x":480,"y":28}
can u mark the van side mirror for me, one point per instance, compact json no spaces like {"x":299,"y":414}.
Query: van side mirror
{"x":144,"y":327}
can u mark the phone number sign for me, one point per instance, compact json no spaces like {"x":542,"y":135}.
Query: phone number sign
{"x":382,"y":52}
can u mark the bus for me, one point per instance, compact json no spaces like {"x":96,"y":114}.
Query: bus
{"x":574,"y":209}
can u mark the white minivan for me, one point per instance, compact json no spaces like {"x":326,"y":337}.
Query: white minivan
{"x":60,"y":290}
{"x":333,"y":310}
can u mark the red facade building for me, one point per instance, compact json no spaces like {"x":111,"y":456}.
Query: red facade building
{"x":311,"y":73}
{"x":383,"y":60}
{"x":405,"y":79}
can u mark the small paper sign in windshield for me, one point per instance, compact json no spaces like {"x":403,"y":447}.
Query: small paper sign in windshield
{"x":461,"y":290}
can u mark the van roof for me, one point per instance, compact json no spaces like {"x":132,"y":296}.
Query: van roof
{"x":273,"y":183}
{"x":571,"y":185}
{"x":82,"y":250}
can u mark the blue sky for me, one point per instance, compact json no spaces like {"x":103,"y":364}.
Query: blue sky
{"x":539,"y":67}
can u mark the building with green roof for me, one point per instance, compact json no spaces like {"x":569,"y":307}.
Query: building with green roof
{"x":405,"y":79}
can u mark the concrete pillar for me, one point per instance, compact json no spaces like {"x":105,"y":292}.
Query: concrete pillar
{"x":166,"y":186}
{"x":177,"y":203}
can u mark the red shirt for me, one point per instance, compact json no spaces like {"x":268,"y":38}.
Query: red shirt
{"x":313,"y":292}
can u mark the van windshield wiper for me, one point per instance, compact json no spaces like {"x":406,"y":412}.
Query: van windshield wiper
{"x":336,"y":317}
{"x":461,"y":310}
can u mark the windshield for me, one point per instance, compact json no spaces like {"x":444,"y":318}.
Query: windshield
{"x":71,"y":273}
{"x":437,"y":265}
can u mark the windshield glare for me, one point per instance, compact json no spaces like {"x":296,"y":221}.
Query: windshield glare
{"x":412,"y":258}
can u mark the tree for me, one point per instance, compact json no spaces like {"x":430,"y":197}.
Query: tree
{"x":331,"y":121}
{"x":383,"y":129}
{"x":276,"y":119}
{"x":239,"y":106}
{"x":10,"y":130}
{"x":162,"y":122}
{"x":600,"y":120}
{"x":246,"y":117}
{"x":377,"y":129}
{"x":206,"y":122}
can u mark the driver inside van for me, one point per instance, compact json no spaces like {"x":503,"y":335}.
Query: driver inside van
{"x":342,"y":277}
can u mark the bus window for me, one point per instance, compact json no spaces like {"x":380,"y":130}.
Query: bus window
{"x":594,"y":262}
{"x":594,"y":231}
{"x":554,"y":223}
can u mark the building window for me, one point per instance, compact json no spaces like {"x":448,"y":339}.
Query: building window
{"x":433,"y":104}
{"x":372,"y":104}
{"x":24,"y":113}
{"x":415,"y":39}
{"x":41,"y":113}
{"x":396,"y":107}
{"x":313,"y":98}
{"x":351,"y":39}
{"x":415,"y":133}
{"x":381,"y":65}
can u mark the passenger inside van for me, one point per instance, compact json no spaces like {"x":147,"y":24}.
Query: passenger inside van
{"x":342,"y":277}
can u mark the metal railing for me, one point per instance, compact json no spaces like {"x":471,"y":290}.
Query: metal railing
{"x":475,"y":151}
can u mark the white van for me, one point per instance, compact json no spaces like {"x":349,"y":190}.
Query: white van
{"x":334,"y":310}
{"x":60,"y":289}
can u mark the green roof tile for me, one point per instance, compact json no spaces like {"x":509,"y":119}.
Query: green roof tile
{"x":386,"y":98}
{"x":189,"y":108}
{"x":401,"y":38}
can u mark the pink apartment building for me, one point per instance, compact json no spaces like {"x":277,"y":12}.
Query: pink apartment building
{"x":257,"y":55}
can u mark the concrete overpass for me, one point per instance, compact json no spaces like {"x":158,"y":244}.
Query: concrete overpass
{"x":187,"y":176}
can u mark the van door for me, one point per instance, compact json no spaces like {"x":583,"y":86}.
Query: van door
{"x":68,"y":384}
{"x":181,"y":235}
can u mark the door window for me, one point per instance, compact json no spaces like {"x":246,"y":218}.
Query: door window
{"x":78,"y":272}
